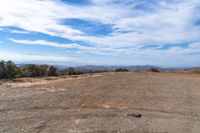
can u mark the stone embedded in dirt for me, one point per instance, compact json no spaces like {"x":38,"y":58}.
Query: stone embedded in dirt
{"x":138,"y":115}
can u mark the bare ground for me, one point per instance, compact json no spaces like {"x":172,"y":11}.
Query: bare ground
{"x":168,"y":103}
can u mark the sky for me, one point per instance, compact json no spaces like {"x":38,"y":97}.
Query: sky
{"x":163,"y":33}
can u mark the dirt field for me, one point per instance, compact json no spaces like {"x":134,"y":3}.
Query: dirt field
{"x":168,"y":103}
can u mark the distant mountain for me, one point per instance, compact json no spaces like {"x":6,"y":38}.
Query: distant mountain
{"x":112,"y":68}
{"x":87,"y":68}
{"x":132,"y":68}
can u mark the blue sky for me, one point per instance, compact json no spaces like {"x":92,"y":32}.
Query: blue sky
{"x":101,"y":32}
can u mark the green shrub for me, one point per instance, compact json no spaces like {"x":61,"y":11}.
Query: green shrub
{"x":121,"y":70}
{"x":7,"y":69}
{"x":2,"y":69}
{"x":154,"y":70}
{"x":71,"y":71}
{"x":10,"y":69}
{"x":52,"y":71}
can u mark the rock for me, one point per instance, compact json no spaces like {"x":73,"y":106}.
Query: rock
{"x":138,"y":115}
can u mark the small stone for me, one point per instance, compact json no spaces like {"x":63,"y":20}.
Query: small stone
{"x":138,"y":115}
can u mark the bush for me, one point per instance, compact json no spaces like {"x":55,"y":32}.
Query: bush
{"x":52,"y":71}
{"x":32,"y":70}
{"x":43,"y":70}
{"x":2,"y":69}
{"x":71,"y":71}
{"x":121,"y":70}
{"x":7,"y":69}
{"x":154,"y":70}
{"x":195,"y":70}
{"x":10,"y":69}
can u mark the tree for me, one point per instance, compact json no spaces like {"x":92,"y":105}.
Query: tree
{"x":18,"y":72}
{"x":32,"y":70}
{"x":10,"y":69}
{"x":43,"y":70}
{"x":2,"y":69}
{"x":52,"y":71}
{"x":7,"y":69}
{"x":71,"y":71}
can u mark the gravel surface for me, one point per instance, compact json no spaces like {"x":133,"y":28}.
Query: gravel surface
{"x":164,"y":102}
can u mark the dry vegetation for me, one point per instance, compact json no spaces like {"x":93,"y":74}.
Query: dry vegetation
{"x":141,"y":102}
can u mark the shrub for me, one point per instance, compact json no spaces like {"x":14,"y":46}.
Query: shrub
{"x":71,"y":71}
{"x":43,"y":70}
{"x":2,"y":69}
{"x":154,"y":70}
{"x":33,"y":70}
{"x":52,"y":71}
{"x":10,"y":69}
{"x":7,"y":69}
{"x":195,"y":70}
{"x":121,"y":70}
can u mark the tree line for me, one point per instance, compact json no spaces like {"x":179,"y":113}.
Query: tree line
{"x":9,"y":70}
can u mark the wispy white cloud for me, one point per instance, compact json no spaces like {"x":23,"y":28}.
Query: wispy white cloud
{"x":51,"y":44}
{"x":170,"y":52}
{"x":96,"y":50}
{"x":19,"y":32}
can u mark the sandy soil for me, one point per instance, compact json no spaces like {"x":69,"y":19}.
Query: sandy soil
{"x":168,"y":103}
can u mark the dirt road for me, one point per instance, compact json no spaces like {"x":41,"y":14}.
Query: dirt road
{"x":168,"y":103}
